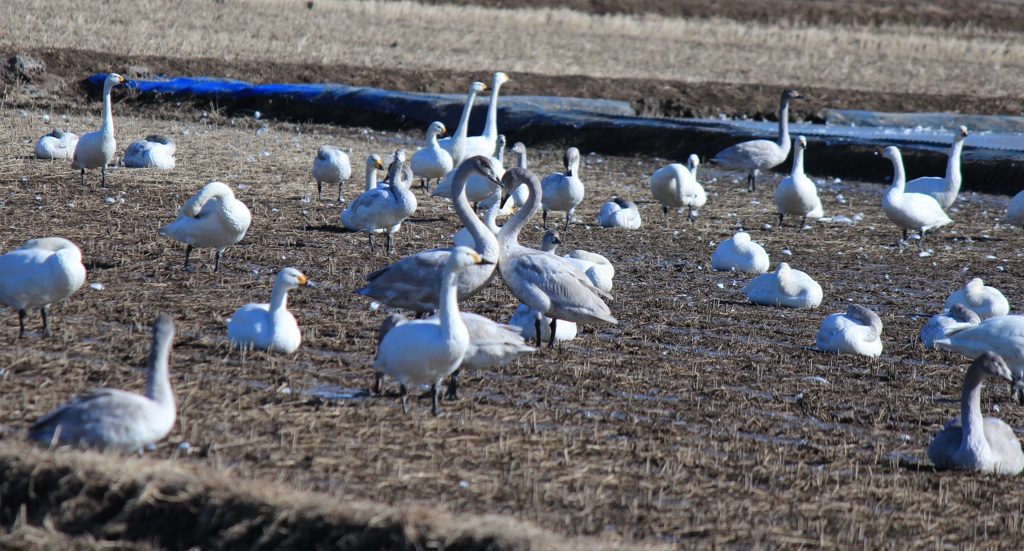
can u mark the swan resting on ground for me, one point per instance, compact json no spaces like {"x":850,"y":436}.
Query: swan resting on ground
{"x":155,"y":151}
{"x":426,"y":351}
{"x":212,"y":218}
{"x":40,"y":272}
{"x":741,"y":254}
{"x":619,"y":213}
{"x":857,"y":332}
{"x":981,"y":299}
{"x":331,"y":165}
{"x":784,"y":287}
{"x":96,"y":149}
{"x":57,"y":145}
{"x":756,"y":155}
{"x":270,"y":326}
{"x":115,"y":419}
{"x":973,"y":442}
{"x":938,"y":325}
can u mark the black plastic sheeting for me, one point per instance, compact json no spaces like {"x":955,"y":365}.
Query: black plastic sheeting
{"x":993,"y":157}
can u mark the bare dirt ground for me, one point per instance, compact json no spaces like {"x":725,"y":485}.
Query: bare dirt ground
{"x":699,"y":420}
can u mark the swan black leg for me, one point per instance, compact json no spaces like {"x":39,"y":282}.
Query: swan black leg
{"x":568,"y":216}
{"x":803,"y":223}
{"x":46,"y":320}
{"x":751,"y":182}
{"x":104,"y":172}
{"x":390,"y":250}
{"x":373,"y":249}
{"x":452,"y":393}
{"x":22,"y":314}
{"x":188,"y":251}
{"x":437,"y":394}
{"x":545,"y":219}
{"x":551,"y":338}
{"x":920,"y":244}
{"x":319,"y":190}
{"x":780,"y":220}
{"x":216,"y":263}
{"x":341,"y":198}
{"x":689,"y":216}
{"x":83,"y":176}
{"x":404,"y":393}
{"x":664,"y":209}
{"x":536,"y":324}
{"x":378,"y":382}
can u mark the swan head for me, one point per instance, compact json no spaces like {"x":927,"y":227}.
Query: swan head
{"x":499,"y":79}
{"x":515,"y":176}
{"x":113,"y":79}
{"x":551,"y":241}
{"x":324,"y":152}
{"x":159,"y":138}
{"x":462,"y":257}
{"x":692,"y":162}
{"x":437,"y":128}
{"x":964,"y":314}
{"x":961,"y":133}
{"x":892,"y":153}
{"x":290,"y":278}
{"x":801,"y":142}
{"x":992,"y":364}
{"x":49,"y":244}
{"x":501,"y":142}
{"x":519,"y":148}
{"x":788,"y":95}
{"x":864,"y":315}
{"x":373,"y":162}
{"x":398,"y":156}
{"x":976,"y":285}
{"x":741,"y":238}
{"x":481,"y":165}
{"x":477,"y":87}
{"x":163,"y":328}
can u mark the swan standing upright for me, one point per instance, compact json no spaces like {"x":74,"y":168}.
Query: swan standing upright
{"x":784,"y":287}
{"x":796,"y":194}
{"x":40,"y":272}
{"x":431,"y":162}
{"x":914,"y":211}
{"x":331,"y":165}
{"x":944,"y":190}
{"x":426,"y":351}
{"x":96,"y":149}
{"x":619,"y":213}
{"x":484,"y":143}
{"x":524,"y":318}
{"x":57,"y":145}
{"x":756,"y":155}
{"x":478,"y":188}
{"x":741,"y":254}
{"x":270,"y":326}
{"x":550,"y":285}
{"x":676,"y":186}
{"x":383,"y":207}
{"x":563,"y":191}
{"x":155,"y":151}
{"x":212,"y":218}
{"x":414,"y":282}
{"x":456,"y":145}
{"x":987,"y":302}
{"x":857,"y":332}
{"x":971,"y":441}
{"x":115,"y":419}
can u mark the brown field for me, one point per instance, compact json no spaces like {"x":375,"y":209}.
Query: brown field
{"x":700,"y":420}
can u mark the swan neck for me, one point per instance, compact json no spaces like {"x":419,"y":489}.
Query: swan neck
{"x":784,"y":124}
{"x":371,"y":177}
{"x":798,"y":161}
{"x":678,"y":171}
{"x":953,"y":164}
{"x":278,"y":299}
{"x":158,"y":383}
{"x":491,"y":126}
{"x":509,"y":234}
{"x":462,"y":131}
{"x":108,"y":118}
{"x":448,"y":302}
{"x":482,"y":236}
{"x":970,"y":410}
{"x":899,"y":178}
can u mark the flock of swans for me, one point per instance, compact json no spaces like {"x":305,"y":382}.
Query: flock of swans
{"x":556,"y":293}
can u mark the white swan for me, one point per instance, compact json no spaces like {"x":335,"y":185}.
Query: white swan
{"x":431,"y":162}
{"x":563,"y":191}
{"x":598,"y":269}
{"x":525,"y":318}
{"x":858,"y":332}
{"x":676,"y":186}
{"x":756,"y":155}
{"x":331,"y":165}
{"x":796,"y":194}
{"x":973,"y":442}
{"x":484,"y":143}
{"x":552,"y":286}
{"x":57,"y":145}
{"x":983,"y":300}
{"x":456,"y":145}
{"x":943,"y":190}
{"x":1015,"y":210}
{"x":426,"y":351}
{"x":464,"y":237}
{"x":269,"y":326}
{"x":784,"y":287}
{"x":1003,"y":335}
{"x":414,"y":282}
{"x":212,"y":218}
{"x":478,"y":188}
{"x":382,"y":208}
{"x":914,"y":211}
{"x":96,"y":149}
{"x":115,"y":419}
{"x":741,"y":254}
{"x":155,"y":151}
{"x":937,"y":326}
{"x":619,"y":213}
{"x":40,"y":272}
{"x":373,"y":164}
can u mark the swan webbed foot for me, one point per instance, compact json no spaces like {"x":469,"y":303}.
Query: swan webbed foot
{"x":434,"y":403}
{"x":404,"y":393}
{"x":22,"y":315}
{"x":452,"y":392}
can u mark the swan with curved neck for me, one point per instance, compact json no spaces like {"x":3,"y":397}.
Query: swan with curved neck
{"x":57,"y":145}
{"x":756,"y":155}
{"x":550,"y":285}
{"x":456,"y":145}
{"x":945,"y":189}
{"x":384,"y":207}
{"x":212,"y":218}
{"x":913,"y":211}
{"x":974,"y":442}
{"x":96,"y":149}
{"x":112,"y":418}
{"x":619,"y":213}
{"x":937,"y":326}
{"x":740,"y":253}
{"x":414,"y":282}
{"x":269,"y":326}
{"x":986,"y":302}
{"x":40,"y":272}
{"x":426,"y":351}
{"x":858,"y":332}
{"x":154,"y":151}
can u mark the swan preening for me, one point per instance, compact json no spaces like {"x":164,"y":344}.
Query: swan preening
{"x":676,"y":186}
{"x":212,"y":218}
{"x":155,"y":151}
{"x":331,"y":165}
{"x":857,"y":332}
{"x":985,"y":301}
{"x":563,"y":191}
{"x":96,"y":149}
{"x":269,"y":326}
{"x":112,"y":418}
{"x":973,"y":442}
{"x":937,"y":326}
{"x":784,"y":287}
{"x":741,"y":254}
{"x":40,"y":272}
{"x":382,"y":208}
{"x":796,"y":194}
{"x":57,"y":145}
{"x":943,"y":190}
{"x":913,"y":211}
{"x":1003,"y":335}
{"x":431,"y":162}
{"x":619,"y":213}
{"x":756,"y":155}
{"x":428,"y":350}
